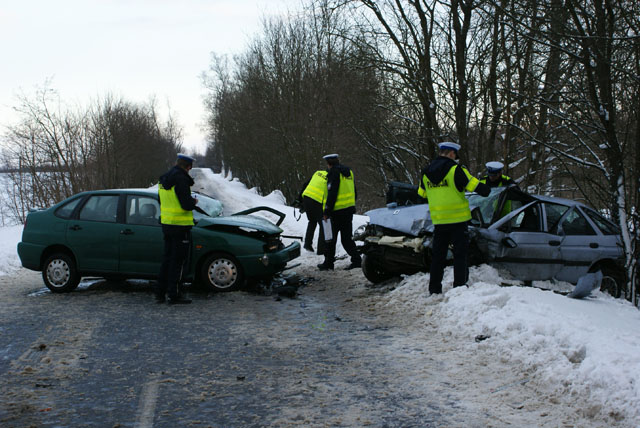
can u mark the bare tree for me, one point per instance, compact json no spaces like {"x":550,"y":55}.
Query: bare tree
{"x":54,"y":152}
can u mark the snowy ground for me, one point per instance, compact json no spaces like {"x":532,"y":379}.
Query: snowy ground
{"x":586,"y":351}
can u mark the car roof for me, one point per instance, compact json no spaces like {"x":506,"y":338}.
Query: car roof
{"x":142,"y":191}
{"x":556,"y":200}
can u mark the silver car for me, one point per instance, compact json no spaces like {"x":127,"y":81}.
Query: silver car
{"x":533,"y":237}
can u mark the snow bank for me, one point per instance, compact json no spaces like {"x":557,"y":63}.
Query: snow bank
{"x":588,"y":349}
{"x":9,"y":260}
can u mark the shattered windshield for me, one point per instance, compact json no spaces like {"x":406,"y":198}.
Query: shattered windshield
{"x":487,"y":204}
{"x":212,"y":207}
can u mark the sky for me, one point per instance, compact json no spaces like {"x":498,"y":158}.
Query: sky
{"x":134,"y":49}
{"x":582,"y":353}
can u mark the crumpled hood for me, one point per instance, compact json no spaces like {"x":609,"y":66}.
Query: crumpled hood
{"x":246,"y":221}
{"x":438,"y":169}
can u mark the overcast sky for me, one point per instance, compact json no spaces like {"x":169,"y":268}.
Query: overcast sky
{"x":135,"y":49}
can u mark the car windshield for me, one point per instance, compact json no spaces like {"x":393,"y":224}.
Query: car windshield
{"x":212,"y":207}
{"x":487,"y":204}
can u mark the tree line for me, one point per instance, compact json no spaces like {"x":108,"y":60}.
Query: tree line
{"x":549,"y":87}
{"x":54,"y":151}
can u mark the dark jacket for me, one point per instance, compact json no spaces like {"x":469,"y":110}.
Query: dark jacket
{"x":333,"y":183}
{"x":182,"y":181}
{"x":438,"y":169}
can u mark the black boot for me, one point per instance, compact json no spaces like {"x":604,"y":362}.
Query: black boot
{"x":325,"y":266}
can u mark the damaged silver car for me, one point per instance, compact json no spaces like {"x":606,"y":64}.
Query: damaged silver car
{"x":533,"y":237}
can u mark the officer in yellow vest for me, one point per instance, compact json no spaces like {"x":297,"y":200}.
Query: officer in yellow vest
{"x":176,"y":217}
{"x":494,"y":177}
{"x":444,"y":184}
{"x":340,"y":206}
{"x":313,"y":197}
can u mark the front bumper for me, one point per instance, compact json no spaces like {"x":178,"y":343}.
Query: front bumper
{"x":268,"y":264}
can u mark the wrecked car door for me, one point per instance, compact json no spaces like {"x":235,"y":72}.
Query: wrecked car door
{"x":518,"y":243}
{"x":579,"y":246}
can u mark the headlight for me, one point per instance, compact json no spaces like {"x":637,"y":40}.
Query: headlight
{"x":360,"y":233}
{"x":265,"y":260}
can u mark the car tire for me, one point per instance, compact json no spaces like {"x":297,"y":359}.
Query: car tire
{"x":612,"y":281}
{"x":60,"y":273}
{"x":372,"y":270}
{"x":222,"y":272}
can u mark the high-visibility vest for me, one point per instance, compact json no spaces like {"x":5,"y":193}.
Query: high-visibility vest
{"x":317,"y":187}
{"x":446,"y":203}
{"x":502,"y":179}
{"x":507,"y":206}
{"x":346,"y":193}
{"x":171,"y":211}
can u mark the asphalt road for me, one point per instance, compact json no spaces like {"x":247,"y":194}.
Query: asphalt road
{"x":106,"y":355}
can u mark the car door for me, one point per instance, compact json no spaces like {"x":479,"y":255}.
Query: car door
{"x":580,"y":245}
{"x":519,"y":244}
{"x":93,"y":236}
{"x":141,"y":241}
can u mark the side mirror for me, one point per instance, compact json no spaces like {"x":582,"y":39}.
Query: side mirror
{"x":509,"y":243}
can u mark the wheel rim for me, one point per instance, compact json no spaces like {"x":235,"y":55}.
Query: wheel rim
{"x":610,"y":286}
{"x":222,"y":273}
{"x":58,"y":273}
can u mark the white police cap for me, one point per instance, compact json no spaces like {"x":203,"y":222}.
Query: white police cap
{"x":188,"y":158}
{"x":494,"y":167}
{"x":331,"y":156}
{"x":448,"y":145}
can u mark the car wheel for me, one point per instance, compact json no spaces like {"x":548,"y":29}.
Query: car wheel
{"x":60,"y":273}
{"x":372,"y":270}
{"x":612,"y":282}
{"x":222,"y":272}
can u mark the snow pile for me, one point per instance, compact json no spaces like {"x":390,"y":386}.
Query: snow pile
{"x":586,"y":349}
{"x":9,"y":238}
{"x":236,"y":197}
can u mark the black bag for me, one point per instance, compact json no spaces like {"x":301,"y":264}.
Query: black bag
{"x":403,"y":193}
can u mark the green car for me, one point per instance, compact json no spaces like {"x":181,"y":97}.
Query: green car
{"x":116,"y":234}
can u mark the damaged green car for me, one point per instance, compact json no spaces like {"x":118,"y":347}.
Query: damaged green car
{"x":116,"y":234}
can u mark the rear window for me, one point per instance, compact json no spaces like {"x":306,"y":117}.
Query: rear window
{"x":66,"y":210}
{"x":575,"y":224}
{"x":605,"y":226}
{"x":100,"y":208}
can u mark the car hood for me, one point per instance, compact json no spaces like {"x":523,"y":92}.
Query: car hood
{"x":409,"y":219}
{"x":244,"y":221}
{"x":412,"y":220}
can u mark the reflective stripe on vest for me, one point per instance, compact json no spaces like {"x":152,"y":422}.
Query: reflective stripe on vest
{"x":317,"y":187}
{"x":346,"y":193}
{"x":447,"y":204}
{"x":171,"y":211}
{"x":502,"y":179}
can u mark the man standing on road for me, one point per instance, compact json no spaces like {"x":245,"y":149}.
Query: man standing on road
{"x":313,"y":197}
{"x":340,"y":206}
{"x":494,"y":177}
{"x":176,"y":217}
{"x":444,"y":183}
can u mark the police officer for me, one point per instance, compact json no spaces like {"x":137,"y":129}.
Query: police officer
{"x":494,"y":177}
{"x":313,"y":197}
{"x":176,"y":217}
{"x":443,"y":184}
{"x":340,"y":206}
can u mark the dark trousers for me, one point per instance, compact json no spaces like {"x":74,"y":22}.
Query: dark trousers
{"x":341,"y":222}
{"x":314,"y":215}
{"x":177,"y":242}
{"x":443,"y":235}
